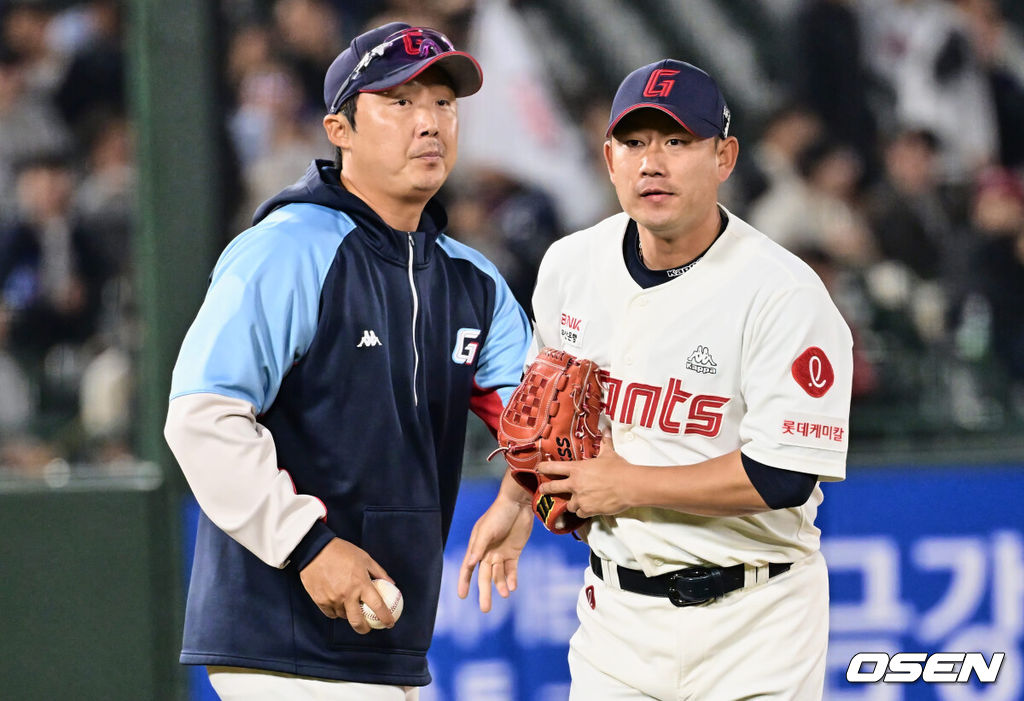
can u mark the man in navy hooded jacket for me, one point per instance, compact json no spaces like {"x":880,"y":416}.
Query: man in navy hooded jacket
{"x":319,"y":402}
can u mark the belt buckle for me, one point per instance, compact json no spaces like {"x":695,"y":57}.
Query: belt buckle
{"x":693,"y":586}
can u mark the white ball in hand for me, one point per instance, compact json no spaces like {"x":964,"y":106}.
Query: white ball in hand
{"x":392,"y":599}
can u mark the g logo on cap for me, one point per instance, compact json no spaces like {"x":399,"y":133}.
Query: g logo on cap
{"x":656,"y":86}
{"x":416,"y":43}
{"x":412,"y":40}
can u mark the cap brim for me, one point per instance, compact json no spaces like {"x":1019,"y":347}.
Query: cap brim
{"x":700,"y":128}
{"x":465,"y":72}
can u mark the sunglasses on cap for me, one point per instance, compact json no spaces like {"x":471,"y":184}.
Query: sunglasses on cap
{"x":406,"y":46}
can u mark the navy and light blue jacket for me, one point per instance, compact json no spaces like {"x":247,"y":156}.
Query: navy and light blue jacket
{"x":362,"y":349}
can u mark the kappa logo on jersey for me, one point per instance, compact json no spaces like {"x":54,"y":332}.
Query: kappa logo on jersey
{"x":369,"y":339}
{"x":813,"y":372}
{"x":642,"y":404}
{"x":658,"y":84}
{"x":465,"y":349}
{"x":572,"y":328}
{"x":700,"y":361}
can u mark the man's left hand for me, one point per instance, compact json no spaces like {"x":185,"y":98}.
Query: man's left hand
{"x":595,"y":487}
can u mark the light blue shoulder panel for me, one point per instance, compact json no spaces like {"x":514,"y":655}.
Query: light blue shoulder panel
{"x":262,"y":307}
{"x":500,"y":364}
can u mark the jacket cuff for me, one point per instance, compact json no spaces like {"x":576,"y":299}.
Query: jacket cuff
{"x":311,"y":545}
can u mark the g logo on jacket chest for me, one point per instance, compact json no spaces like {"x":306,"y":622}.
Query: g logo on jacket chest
{"x":466,"y":346}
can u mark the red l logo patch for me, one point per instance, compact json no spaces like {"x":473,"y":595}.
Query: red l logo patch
{"x":589,"y":591}
{"x":813,"y":372}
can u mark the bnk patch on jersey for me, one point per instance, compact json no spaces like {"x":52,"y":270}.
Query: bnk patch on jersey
{"x":813,"y":372}
{"x":572,"y":329}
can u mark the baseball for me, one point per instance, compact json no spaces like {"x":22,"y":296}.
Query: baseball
{"x":392,"y":599}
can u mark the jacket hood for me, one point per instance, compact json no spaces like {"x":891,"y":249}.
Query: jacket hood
{"x":322,"y":185}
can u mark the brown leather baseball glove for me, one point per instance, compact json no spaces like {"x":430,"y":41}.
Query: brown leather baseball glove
{"x":552,"y":415}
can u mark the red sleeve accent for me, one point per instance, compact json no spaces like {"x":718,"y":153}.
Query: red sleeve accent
{"x":486,"y":404}
{"x":295,"y":489}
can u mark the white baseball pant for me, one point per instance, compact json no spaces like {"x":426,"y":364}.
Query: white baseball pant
{"x":240,"y":684}
{"x":766,"y":641}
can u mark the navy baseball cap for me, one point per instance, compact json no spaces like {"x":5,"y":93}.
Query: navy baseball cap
{"x":394,"y":54}
{"x":684,"y":92}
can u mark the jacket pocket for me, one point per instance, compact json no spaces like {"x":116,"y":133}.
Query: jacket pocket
{"x":407,"y":543}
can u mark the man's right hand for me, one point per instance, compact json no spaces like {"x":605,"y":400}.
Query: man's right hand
{"x":498,"y":538}
{"x":339,"y":578}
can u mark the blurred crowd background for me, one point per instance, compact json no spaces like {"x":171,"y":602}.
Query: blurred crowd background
{"x":880,"y":140}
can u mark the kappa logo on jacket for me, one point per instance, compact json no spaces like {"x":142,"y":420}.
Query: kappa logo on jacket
{"x":700,"y":361}
{"x":369,"y":339}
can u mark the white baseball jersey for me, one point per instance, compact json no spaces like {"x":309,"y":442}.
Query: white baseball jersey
{"x":745,"y":350}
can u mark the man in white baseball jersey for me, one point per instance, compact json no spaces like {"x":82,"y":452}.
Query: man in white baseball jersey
{"x":728,"y":391}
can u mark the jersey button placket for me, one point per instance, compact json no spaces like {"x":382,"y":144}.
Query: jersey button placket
{"x":636,"y":321}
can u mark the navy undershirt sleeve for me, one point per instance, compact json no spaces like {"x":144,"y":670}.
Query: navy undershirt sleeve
{"x":780,"y":489}
{"x":311,"y":545}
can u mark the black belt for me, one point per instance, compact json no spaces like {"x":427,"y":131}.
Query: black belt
{"x":686,"y":587}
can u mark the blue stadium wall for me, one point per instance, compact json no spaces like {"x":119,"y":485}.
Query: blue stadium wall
{"x":921,"y":560}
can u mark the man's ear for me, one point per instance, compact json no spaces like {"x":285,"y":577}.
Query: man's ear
{"x":608,"y":158}
{"x":728,"y":152}
{"x":339,"y":131}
